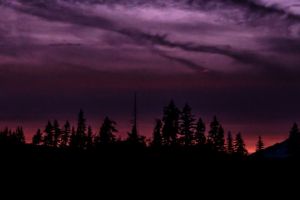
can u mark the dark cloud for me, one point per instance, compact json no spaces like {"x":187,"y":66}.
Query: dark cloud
{"x":57,"y":12}
{"x":243,"y":56}
{"x":185,"y":62}
{"x":281,"y":45}
{"x":64,"y":44}
{"x":60,"y":11}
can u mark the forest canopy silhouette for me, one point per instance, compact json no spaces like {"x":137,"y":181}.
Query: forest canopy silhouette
{"x":177,"y":129}
{"x":181,"y":144}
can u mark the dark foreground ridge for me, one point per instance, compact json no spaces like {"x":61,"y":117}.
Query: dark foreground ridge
{"x":142,"y":161}
{"x":178,"y":155}
{"x":140,"y":170}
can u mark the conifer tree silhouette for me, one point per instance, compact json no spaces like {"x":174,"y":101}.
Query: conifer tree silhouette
{"x":239,"y":146}
{"x":293,"y":142}
{"x":57,"y":134}
{"x":259,"y":147}
{"x":200,"y":133}
{"x":89,"y":139}
{"x":229,"y":144}
{"x":49,"y":136}
{"x":81,"y":131}
{"x":65,"y":135}
{"x":20,"y":135}
{"x":107,"y":129}
{"x":37,"y":138}
{"x":73,"y":139}
{"x":171,"y":124}
{"x":213,"y":133}
{"x":187,"y":125}
{"x":220,"y":141}
{"x":13,"y":138}
{"x":157,"y":137}
{"x":4,"y":138}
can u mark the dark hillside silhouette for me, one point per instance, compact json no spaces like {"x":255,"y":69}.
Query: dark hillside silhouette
{"x":293,"y":142}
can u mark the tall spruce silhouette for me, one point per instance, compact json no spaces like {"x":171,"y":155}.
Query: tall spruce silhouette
{"x":157,"y":137}
{"x":187,"y":125}
{"x":57,"y":134}
{"x":89,"y":139}
{"x":81,"y":131}
{"x":200,"y":133}
{"x":229,"y":144}
{"x":106,"y":133}
{"x":239,"y":146}
{"x":65,"y":135}
{"x":37,"y":138}
{"x":220,"y":141}
{"x":213,"y":133}
{"x":171,"y":124}
{"x":4,"y":138}
{"x":13,"y":138}
{"x":259,"y":147}
{"x":49,"y":136}
{"x":20,"y":135}
{"x":73,"y":139}
{"x":293,"y":142}
{"x":134,"y":137}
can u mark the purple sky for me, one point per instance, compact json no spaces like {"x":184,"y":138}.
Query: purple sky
{"x":238,"y":60}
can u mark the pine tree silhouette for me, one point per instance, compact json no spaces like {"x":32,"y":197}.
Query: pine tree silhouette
{"x":89,"y":139}
{"x":81,"y":131}
{"x":37,"y":139}
{"x":200,"y":133}
{"x":239,"y":146}
{"x":107,"y":129}
{"x":13,"y":138}
{"x":213,"y":133}
{"x":20,"y":135}
{"x":73,"y":139}
{"x":229,"y":145}
{"x":293,"y":142}
{"x":157,"y":137}
{"x":49,"y":135}
{"x":65,"y":135}
{"x":187,"y":125}
{"x":57,"y":134}
{"x":4,"y":138}
{"x":259,"y":147}
{"x":171,"y":124}
{"x":220,"y":141}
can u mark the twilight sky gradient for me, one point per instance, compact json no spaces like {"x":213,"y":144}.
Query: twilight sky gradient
{"x":236,"y":59}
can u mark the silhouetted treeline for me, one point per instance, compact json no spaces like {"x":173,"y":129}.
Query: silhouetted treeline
{"x":9,"y":138}
{"x":177,"y":129}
